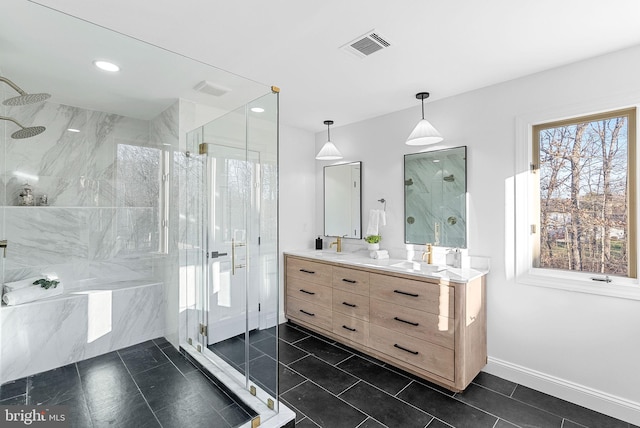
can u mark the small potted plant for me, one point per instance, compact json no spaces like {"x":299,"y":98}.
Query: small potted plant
{"x":373,"y":242}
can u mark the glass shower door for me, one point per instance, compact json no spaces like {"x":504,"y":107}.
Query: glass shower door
{"x":233,"y":303}
{"x":231,"y":307}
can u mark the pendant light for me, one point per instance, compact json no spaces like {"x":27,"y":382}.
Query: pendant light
{"x":424,"y":133}
{"x":329,"y":151}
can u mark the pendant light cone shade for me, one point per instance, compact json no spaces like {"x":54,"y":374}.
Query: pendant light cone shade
{"x":329,"y":151}
{"x":424,"y":133}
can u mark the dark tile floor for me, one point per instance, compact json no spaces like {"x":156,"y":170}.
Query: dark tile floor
{"x":330,"y":385}
{"x":143,"y":386}
{"x":326,"y":384}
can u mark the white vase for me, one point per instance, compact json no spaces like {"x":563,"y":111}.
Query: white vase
{"x":373,"y":247}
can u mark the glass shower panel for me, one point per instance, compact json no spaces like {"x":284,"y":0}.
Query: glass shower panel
{"x":232,"y":312}
{"x":194,"y":251}
{"x":262,"y":138}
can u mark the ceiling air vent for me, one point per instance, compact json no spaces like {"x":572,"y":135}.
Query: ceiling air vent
{"x":366,"y":44}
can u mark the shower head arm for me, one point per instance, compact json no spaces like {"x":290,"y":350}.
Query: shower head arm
{"x":13,"y":85}
{"x":12,"y":120}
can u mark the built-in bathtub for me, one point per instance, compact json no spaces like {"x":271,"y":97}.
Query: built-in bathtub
{"x":85,"y":321}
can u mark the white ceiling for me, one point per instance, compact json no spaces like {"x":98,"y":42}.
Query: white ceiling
{"x":444,"y":47}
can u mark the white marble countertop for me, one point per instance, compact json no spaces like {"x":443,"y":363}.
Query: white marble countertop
{"x":420,"y":269}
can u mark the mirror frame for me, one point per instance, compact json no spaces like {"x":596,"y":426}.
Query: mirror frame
{"x":358,"y":233}
{"x":464,"y":195}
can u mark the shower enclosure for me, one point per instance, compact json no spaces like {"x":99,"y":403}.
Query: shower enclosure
{"x":232,"y":222}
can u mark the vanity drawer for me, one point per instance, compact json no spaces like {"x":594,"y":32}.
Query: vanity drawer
{"x":351,"y":280}
{"x":419,"y":353}
{"x":351,"y":304}
{"x":308,"y":270}
{"x":308,"y":312}
{"x":352,"y":328}
{"x":412,"y":322}
{"x":310,"y":291}
{"x":426,"y":296}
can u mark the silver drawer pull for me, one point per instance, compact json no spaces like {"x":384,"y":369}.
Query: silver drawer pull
{"x":351,"y":305}
{"x":307,"y":271}
{"x":405,"y":349}
{"x":415,"y":324}
{"x":405,"y":293}
{"x":350,"y":281}
{"x":307,"y":313}
{"x":307,"y":292}
{"x":348,"y":328}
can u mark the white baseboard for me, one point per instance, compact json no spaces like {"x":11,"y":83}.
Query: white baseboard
{"x":599,"y":401}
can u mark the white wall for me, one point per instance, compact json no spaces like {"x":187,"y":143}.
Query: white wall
{"x":297,"y":197}
{"x":581,"y":347}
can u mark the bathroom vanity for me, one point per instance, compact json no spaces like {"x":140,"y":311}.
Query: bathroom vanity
{"x":429,"y":323}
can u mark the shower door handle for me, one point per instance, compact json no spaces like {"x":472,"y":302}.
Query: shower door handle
{"x":234,"y":266}
{"x":3,"y":245}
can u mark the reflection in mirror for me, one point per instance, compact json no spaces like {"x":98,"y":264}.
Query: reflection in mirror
{"x":342,"y":200}
{"x":435,"y":187}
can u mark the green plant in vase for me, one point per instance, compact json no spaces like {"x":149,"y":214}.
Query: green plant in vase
{"x":373,"y":242}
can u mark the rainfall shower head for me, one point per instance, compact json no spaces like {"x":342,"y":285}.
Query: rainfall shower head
{"x":23,"y":98}
{"x":25,"y":132}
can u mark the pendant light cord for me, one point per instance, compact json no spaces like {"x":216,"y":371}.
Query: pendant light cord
{"x":422,"y":108}
{"x":329,"y":131}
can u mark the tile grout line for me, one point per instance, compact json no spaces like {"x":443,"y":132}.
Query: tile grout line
{"x":84,"y":396}
{"x":333,"y":395}
{"x":138,"y":386}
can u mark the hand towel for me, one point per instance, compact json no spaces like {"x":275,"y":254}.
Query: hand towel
{"x":372,"y":225}
{"x":23,"y":283}
{"x":30,"y":294}
{"x":379,"y":254}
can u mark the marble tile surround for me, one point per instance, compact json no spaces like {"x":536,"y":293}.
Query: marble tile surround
{"x":102,"y":226}
{"x":102,"y":184}
{"x":40,"y":336}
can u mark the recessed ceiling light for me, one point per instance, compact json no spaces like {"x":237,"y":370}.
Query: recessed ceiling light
{"x":73,"y":130}
{"x":106,"y":65}
{"x":257,"y":109}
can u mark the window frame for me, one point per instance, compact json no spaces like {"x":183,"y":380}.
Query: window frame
{"x":527,"y":199}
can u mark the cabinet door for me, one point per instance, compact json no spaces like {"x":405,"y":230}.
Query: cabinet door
{"x":412,"y":322}
{"x":308,"y":270}
{"x":351,"y":280}
{"x":426,"y":296}
{"x":310,"y":291}
{"x":309,"y":313}
{"x":351,"y":328}
{"x":351,"y":304}
{"x":419,"y":353}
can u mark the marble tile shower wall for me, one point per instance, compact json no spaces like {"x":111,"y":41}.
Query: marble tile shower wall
{"x":102,"y":183}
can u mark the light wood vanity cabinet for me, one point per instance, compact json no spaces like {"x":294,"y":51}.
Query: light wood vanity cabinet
{"x":435,"y":329}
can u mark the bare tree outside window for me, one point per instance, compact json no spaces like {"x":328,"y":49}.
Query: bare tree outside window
{"x":586,"y":179}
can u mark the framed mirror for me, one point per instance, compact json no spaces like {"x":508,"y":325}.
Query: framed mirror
{"x":343,"y":200}
{"x":435,"y":197}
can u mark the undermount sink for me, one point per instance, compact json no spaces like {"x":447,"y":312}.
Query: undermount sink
{"x":326,"y":253}
{"x":420,"y":267}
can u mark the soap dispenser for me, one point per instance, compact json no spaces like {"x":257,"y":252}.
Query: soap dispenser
{"x":319,"y":243}
{"x":454,"y":258}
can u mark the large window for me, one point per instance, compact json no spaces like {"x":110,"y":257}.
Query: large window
{"x":584,"y":190}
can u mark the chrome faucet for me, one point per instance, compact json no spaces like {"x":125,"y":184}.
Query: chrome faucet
{"x":338,"y":243}
{"x":427,"y":256}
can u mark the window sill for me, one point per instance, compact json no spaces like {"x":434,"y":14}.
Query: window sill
{"x":625,"y":289}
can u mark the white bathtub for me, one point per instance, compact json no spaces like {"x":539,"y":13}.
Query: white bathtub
{"x":86,"y":321}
